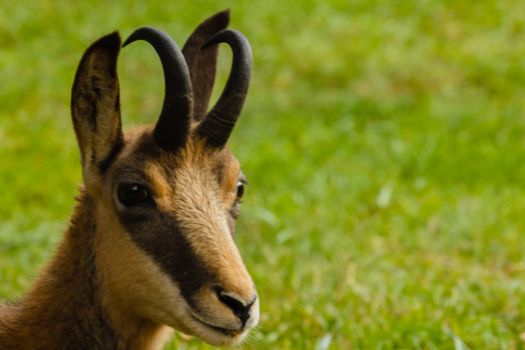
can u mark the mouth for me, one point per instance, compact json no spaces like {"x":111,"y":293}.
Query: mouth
{"x":229,"y":332}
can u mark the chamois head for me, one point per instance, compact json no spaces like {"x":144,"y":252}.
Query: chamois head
{"x":166,"y":197}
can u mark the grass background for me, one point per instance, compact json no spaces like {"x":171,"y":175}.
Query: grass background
{"x":384,"y":142}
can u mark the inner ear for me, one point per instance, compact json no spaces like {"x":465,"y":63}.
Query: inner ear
{"x":95,"y":103}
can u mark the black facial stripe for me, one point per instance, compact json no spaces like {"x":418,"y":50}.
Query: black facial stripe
{"x":160,"y":236}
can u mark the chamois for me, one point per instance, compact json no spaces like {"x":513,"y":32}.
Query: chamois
{"x":150,"y":244}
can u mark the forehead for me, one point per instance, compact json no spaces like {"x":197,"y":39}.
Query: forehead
{"x":141,"y":156}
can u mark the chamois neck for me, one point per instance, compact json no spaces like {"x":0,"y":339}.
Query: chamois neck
{"x":64,"y":308}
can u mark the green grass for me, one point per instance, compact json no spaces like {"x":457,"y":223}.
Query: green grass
{"x":384,"y":142}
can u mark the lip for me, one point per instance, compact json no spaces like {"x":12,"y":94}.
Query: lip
{"x":225,"y":331}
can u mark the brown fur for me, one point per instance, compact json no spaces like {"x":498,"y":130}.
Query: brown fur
{"x":125,"y":275}
{"x":64,"y":309}
{"x":100,"y":283}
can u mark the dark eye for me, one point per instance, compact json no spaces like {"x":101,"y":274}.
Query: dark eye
{"x":132,"y":195}
{"x":240,"y":190}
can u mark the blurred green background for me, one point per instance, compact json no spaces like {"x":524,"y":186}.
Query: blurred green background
{"x":384,"y":143}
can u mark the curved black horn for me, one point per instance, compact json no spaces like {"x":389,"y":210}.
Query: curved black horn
{"x":220,"y":120}
{"x":173,"y":125}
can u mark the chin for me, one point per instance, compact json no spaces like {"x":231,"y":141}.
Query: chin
{"x":217,"y":339}
{"x":214,"y":335}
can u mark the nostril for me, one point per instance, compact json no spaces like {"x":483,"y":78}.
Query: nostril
{"x":239,"y":308}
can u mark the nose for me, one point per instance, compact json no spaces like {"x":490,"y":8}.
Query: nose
{"x":240,"y":308}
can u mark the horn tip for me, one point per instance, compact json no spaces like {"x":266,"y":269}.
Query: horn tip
{"x":138,"y":34}
{"x":215,"y":39}
{"x":226,"y":35}
{"x":133,"y":37}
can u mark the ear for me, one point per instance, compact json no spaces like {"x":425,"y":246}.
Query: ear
{"x":95,"y":104}
{"x":202,"y":63}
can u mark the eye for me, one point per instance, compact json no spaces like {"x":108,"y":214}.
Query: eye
{"x":132,"y":195}
{"x":240,"y":190}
